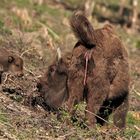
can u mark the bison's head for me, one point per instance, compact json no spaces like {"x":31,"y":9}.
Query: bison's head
{"x":53,"y":85}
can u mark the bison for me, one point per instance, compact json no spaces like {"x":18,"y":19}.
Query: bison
{"x":10,"y":62}
{"x":97,"y":72}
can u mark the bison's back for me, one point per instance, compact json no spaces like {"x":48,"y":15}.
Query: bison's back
{"x":116,"y":62}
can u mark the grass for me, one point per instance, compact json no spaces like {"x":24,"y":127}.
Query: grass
{"x":131,"y":121}
{"x":3,"y":118}
{"x":22,"y":3}
{"x":131,"y":134}
{"x":138,"y":44}
{"x":28,"y":127}
{"x":40,"y":9}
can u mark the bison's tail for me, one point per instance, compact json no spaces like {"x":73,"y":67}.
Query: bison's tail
{"x":83,"y":29}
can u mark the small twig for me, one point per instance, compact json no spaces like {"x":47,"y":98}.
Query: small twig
{"x":133,"y":90}
{"x":11,"y":81}
{"x":100,"y":118}
{"x":136,"y":92}
{"x":28,"y":50}
{"x":6,"y":77}
{"x":97,"y":116}
{"x":12,"y":108}
{"x":43,"y":137}
{"x":71,"y":132}
{"x":29,"y":71}
{"x":137,"y":128}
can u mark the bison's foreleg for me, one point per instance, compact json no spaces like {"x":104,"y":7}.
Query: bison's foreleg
{"x":75,"y":88}
{"x":97,"y":93}
{"x":104,"y":112}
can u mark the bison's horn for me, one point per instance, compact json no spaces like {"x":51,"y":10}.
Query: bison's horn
{"x":59,"y":53}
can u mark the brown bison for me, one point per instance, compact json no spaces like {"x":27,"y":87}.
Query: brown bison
{"x":10,"y":62}
{"x":98,"y":72}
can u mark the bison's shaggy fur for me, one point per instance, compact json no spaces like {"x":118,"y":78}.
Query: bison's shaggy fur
{"x":107,"y":77}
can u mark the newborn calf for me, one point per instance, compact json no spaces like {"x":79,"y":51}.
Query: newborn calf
{"x":10,"y":62}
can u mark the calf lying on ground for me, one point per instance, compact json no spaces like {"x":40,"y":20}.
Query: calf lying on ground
{"x":98,"y":73}
{"x":10,"y":62}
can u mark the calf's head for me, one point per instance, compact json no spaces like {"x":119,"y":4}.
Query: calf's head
{"x":15,"y":65}
{"x":53,"y":85}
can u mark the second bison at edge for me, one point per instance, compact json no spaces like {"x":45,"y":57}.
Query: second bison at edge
{"x":10,"y":62}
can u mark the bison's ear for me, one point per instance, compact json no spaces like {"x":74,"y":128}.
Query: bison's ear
{"x":11,"y":59}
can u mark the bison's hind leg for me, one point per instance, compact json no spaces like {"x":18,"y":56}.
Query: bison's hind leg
{"x":120,"y":112}
{"x":104,"y":112}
